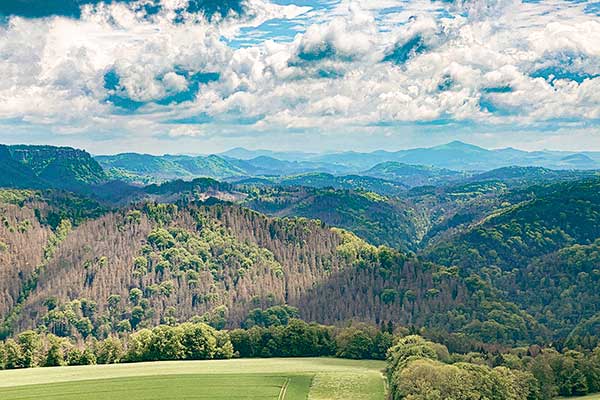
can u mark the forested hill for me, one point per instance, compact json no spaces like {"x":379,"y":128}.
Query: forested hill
{"x":540,"y":252}
{"x":543,"y":219}
{"x":378,"y":219}
{"x":38,"y":167}
{"x":15,"y":174}
{"x":321,"y":180}
{"x":414,"y":175}
{"x":508,"y":256}
{"x":158,"y":263}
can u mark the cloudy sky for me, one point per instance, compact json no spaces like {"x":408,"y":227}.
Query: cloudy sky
{"x":200,"y":76}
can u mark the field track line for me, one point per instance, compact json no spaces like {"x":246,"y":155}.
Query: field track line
{"x":283,"y":389}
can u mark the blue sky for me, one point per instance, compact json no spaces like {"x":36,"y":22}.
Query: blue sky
{"x":200,"y":76}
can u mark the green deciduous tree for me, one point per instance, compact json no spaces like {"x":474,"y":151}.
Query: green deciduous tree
{"x":55,"y":352}
{"x":30,"y":344}
{"x":13,"y":358}
{"x":109,"y":351}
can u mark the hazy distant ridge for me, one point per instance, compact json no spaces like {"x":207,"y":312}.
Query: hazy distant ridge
{"x":450,"y":160}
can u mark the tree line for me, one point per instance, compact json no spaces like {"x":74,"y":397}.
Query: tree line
{"x":197,"y":341}
{"x":418,"y":368}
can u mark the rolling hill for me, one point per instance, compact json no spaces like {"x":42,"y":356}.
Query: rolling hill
{"x":536,"y":251}
{"x":414,"y":175}
{"x":321,"y":180}
{"x":145,"y":168}
{"x":375,"y":218}
{"x":531,"y":175}
{"x":147,"y":264}
{"x":546,"y":219}
{"x":47,"y":166}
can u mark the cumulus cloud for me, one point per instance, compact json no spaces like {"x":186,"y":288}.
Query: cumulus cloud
{"x":166,"y":68}
{"x":344,"y":39}
{"x":420,"y":35}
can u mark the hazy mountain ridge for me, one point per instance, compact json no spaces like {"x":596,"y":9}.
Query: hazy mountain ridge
{"x":454,"y":155}
{"x":144,"y":168}
{"x":431,"y":165}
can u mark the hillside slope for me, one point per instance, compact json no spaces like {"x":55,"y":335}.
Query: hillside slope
{"x":162,"y":263}
{"x":49,"y":167}
{"x":15,"y":174}
{"x":22,"y":246}
{"x":414,"y":175}
{"x":321,"y":180}
{"x":375,"y":218}
{"x":539,"y":252}
{"x":549,"y":217}
{"x":62,"y":167}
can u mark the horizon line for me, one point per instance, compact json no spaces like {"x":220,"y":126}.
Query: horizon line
{"x":304,"y":152}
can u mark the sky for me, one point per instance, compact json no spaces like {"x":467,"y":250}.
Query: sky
{"x":201,"y":76}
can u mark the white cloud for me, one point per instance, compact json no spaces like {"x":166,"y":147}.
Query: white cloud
{"x":476,"y":66}
{"x":187,"y":131}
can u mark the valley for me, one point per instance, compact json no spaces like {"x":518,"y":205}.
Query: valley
{"x":495,"y":270}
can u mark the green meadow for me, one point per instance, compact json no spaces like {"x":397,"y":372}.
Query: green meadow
{"x":278,"y":379}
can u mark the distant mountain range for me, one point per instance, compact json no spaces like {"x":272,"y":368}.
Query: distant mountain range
{"x":454,"y":155}
{"x":144,"y":168}
{"x":387,"y":173}
{"x":413,"y":167}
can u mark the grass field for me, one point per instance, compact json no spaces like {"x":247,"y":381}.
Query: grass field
{"x":252,"y":379}
{"x":589,"y":397}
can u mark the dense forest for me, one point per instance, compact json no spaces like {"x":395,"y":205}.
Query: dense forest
{"x":163,"y":262}
{"x":421,"y":369}
{"x":481,"y":265}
